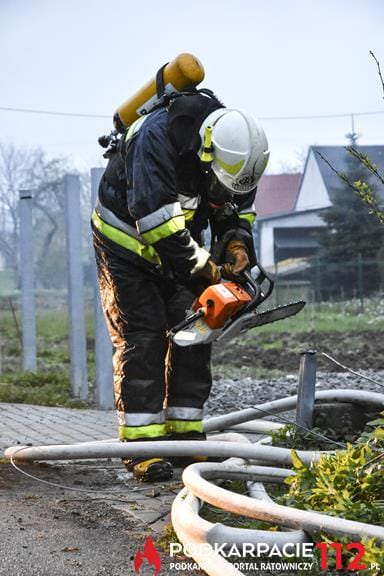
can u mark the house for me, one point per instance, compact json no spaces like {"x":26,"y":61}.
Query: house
{"x":289,"y":206}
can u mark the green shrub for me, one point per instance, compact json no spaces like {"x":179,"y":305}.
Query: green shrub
{"x":348,"y":484}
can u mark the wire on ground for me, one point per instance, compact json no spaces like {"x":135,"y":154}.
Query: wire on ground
{"x":350,"y":370}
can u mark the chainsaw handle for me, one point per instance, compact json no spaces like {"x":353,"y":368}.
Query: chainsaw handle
{"x":256,"y":287}
{"x":256,"y":283}
{"x":185,"y":323}
{"x":264,"y":276}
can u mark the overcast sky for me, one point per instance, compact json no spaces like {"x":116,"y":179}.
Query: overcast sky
{"x":272,"y":57}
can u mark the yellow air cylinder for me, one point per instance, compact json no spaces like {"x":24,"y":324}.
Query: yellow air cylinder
{"x":185,"y":71}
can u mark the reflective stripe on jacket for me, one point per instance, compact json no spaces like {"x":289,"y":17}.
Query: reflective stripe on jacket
{"x":152,"y":204}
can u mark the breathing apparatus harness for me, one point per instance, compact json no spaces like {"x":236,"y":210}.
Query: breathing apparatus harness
{"x":186,"y":114}
{"x":111,"y":141}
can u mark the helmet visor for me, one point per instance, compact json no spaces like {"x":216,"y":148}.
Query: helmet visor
{"x":218,"y":194}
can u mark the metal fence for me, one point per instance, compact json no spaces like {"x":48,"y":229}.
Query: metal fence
{"x":317,"y":282}
{"x":70,"y":314}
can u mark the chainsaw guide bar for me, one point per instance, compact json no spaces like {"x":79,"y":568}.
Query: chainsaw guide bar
{"x":200,"y":333}
{"x":225,"y":310}
{"x":254,"y":319}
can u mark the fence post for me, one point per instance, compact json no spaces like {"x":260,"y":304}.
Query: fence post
{"x":276,"y":287}
{"x":306,"y":391}
{"x":103,"y":346}
{"x":27,"y":281}
{"x":78,"y":351}
{"x":317,"y":282}
{"x":360,"y":281}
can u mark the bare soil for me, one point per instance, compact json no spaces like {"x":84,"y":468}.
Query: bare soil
{"x":50,"y":531}
{"x":280,"y":352}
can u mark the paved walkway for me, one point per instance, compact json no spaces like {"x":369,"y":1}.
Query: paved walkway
{"x":39,"y":425}
{"x":26,"y":424}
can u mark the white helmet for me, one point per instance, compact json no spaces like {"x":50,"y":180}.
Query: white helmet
{"x":235,"y":145}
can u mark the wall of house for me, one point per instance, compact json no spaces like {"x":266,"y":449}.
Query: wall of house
{"x":313,"y":193}
{"x":313,"y":196}
{"x":266,"y":244}
{"x":266,"y":231}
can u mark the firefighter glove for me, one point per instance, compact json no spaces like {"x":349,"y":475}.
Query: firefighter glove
{"x":237,"y":260}
{"x":210,"y":272}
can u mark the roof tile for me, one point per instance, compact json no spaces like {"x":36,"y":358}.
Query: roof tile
{"x":276,"y":194}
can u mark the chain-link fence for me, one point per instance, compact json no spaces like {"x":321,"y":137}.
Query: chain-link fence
{"x":347,"y":296}
{"x":319,"y":282}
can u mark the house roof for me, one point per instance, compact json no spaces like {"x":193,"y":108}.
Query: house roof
{"x":276,"y":194}
{"x":337,"y":156}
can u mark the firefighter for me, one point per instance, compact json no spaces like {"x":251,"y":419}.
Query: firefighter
{"x":187,"y":166}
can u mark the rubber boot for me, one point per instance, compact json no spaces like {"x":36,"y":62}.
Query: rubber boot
{"x":183,"y":461}
{"x":149,"y":469}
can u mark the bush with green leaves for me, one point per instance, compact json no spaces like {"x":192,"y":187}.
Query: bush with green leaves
{"x":349,"y":484}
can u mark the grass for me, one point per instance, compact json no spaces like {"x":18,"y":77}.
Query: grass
{"x":53,"y":347}
{"x":40,"y":388}
{"x":50,"y":385}
{"x":327,"y":319}
{"x":167,"y":537}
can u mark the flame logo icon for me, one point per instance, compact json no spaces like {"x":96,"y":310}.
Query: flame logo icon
{"x":151,"y":554}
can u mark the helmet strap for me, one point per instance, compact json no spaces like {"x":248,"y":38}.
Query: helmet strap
{"x":207,"y":155}
{"x":160,"y":84}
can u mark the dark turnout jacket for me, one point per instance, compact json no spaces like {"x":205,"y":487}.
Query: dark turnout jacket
{"x":155,"y":199}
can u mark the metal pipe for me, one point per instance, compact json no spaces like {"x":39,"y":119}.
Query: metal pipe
{"x":221,"y":534}
{"x":359,"y":397}
{"x":192,"y":529}
{"x":27,"y":281}
{"x":195,"y":532}
{"x":103,"y":346}
{"x":189,"y":526}
{"x":306,"y":390}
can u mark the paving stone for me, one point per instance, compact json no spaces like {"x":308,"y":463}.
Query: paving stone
{"x":42,"y":425}
{"x":143,"y":516}
{"x":160,"y":524}
{"x":38,"y":425}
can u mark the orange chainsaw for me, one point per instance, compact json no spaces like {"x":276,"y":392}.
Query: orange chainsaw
{"x":227,"y":309}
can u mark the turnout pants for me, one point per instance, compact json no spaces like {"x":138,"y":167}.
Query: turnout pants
{"x":160,"y":388}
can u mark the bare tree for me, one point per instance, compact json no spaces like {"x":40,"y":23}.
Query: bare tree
{"x":22,"y":168}
{"x":296,"y":164}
